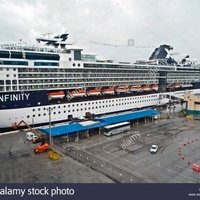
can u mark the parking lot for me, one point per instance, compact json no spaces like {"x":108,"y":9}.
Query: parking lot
{"x":122,"y":158}
{"x":178,"y":141}
{"x":19,"y":164}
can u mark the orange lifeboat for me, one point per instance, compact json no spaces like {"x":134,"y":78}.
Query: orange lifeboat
{"x":108,"y":90}
{"x":77,"y":93}
{"x":56,"y":94}
{"x":186,"y":85}
{"x":154,"y":87}
{"x":146,"y":88}
{"x":174,"y":85}
{"x":177,"y":85}
{"x":136,"y":88}
{"x":94,"y":91}
{"x":122,"y":89}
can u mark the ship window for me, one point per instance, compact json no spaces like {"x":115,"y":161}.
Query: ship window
{"x":64,"y":111}
{"x":33,"y":115}
{"x":54,"y":113}
{"x":45,"y":64}
{"x":39,"y":115}
{"x":41,"y":56}
{"x":5,"y":62}
{"x":77,"y":55}
{"x":18,"y":55}
{"x":44,"y":114}
{"x":4,"y":54}
{"x":28,"y":116}
{"x":74,"y":64}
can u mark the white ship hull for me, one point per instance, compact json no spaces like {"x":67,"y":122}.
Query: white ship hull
{"x":40,"y":114}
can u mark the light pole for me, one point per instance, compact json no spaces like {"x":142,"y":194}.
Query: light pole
{"x":50,"y":138}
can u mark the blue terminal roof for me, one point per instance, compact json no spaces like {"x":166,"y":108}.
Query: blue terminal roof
{"x":98,"y":122}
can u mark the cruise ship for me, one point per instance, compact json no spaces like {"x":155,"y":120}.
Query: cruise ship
{"x":55,"y":81}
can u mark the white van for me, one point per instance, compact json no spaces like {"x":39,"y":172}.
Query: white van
{"x":30,"y":136}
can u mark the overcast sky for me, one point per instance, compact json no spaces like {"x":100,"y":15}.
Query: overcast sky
{"x":148,"y":22}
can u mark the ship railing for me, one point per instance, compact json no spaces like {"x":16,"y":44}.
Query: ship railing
{"x":30,"y":48}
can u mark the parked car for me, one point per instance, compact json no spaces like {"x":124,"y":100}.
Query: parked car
{"x":154,"y":148}
{"x":30,"y":136}
{"x":38,"y":139}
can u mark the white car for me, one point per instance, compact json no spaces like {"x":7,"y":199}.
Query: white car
{"x":31,"y":136}
{"x":154,"y":148}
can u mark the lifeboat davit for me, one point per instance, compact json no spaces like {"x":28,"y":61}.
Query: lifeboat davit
{"x":56,"y":94}
{"x":170,"y":86}
{"x":108,"y":90}
{"x":94,"y":91}
{"x":136,"y":88}
{"x":154,"y":87}
{"x":78,"y":93}
{"x":122,"y":89}
{"x":146,"y":88}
